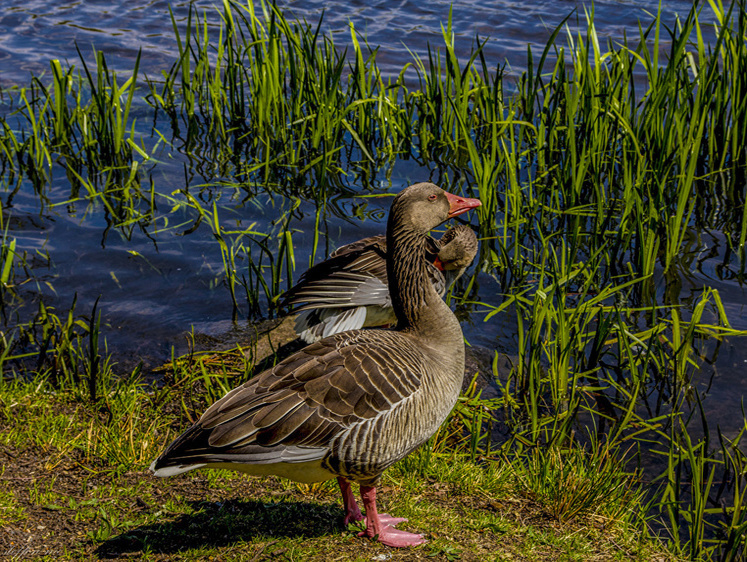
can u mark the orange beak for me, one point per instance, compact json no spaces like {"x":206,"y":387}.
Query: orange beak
{"x":459,"y":205}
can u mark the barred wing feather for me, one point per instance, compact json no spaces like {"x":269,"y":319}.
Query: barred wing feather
{"x":299,"y":409}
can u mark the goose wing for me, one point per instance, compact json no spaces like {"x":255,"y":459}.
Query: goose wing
{"x":354,"y":275}
{"x":378,"y":241}
{"x":317,"y":323}
{"x":295,"y":411}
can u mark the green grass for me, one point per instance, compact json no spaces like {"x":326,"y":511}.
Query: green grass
{"x":88,"y":502}
{"x":10,"y":512}
{"x":599,"y":169}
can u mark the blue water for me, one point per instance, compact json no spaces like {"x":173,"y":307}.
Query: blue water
{"x":36,"y":31}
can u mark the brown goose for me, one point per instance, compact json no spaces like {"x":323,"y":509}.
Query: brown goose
{"x":349,"y":290}
{"x":350,"y":405}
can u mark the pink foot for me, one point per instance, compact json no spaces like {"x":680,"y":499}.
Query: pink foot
{"x":387,"y":519}
{"x":396,"y":537}
{"x":381,"y":527}
{"x":352,"y":517}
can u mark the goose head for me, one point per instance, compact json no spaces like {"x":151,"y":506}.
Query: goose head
{"x":423,"y":206}
{"x":458,"y":248}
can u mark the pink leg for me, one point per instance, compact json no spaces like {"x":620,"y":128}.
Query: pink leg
{"x":352,"y":511}
{"x":382,"y":527}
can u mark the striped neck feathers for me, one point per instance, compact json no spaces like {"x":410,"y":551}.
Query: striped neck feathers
{"x":414,"y":299}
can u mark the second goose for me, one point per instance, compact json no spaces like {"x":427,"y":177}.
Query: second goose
{"x":350,"y":289}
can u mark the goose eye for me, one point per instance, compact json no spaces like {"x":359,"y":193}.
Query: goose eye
{"x":432,"y":197}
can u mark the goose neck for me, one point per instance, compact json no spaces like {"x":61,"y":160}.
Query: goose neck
{"x":415,"y":301}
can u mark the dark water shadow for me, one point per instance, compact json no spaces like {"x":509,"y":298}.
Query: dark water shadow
{"x":222,"y":524}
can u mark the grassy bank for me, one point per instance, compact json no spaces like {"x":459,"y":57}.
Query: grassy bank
{"x":74,"y":485}
{"x":602,"y":170}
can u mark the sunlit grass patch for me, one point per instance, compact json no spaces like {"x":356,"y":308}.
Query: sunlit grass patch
{"x":119,"y":432}
{"x":571,"y":483}
{"x":468,"y":509}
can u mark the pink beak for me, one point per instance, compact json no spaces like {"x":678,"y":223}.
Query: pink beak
{"x":459,"y":205}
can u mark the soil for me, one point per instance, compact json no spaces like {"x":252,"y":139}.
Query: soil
{"x":224,"y":521}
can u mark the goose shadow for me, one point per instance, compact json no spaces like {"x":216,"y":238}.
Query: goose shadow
{"x":222,"y":524}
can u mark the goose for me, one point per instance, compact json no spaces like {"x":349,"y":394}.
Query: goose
{"x":350,"y":405}
{"x":349,"y":290}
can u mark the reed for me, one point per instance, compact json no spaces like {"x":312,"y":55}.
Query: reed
{"x":7,"y":262}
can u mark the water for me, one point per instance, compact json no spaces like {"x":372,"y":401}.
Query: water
{"x":34,"y":32}
{"x":152,"y":293}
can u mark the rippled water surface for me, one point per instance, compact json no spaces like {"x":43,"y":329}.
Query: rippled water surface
{"x":151,"y":300}
{"x":32,"y":33}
